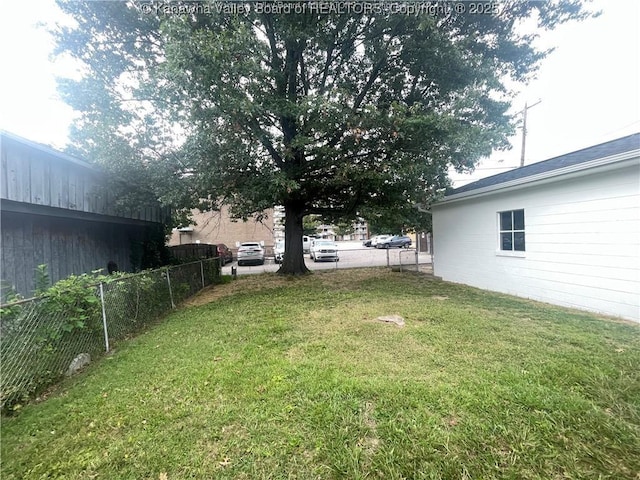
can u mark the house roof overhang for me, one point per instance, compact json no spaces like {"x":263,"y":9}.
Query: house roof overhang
{"x":609,"y":163}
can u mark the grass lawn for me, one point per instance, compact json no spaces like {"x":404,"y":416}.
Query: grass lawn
{"x":272,"y":378}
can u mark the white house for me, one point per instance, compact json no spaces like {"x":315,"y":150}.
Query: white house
{"x":564,"y":231}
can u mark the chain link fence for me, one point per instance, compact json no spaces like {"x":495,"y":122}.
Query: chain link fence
{"x":351,"y":255}
{"x":42,"y":339}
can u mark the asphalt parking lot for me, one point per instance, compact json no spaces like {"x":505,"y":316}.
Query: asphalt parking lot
{"x":352,"y":255}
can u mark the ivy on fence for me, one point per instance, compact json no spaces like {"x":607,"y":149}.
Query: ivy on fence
{"x":40,"y":337}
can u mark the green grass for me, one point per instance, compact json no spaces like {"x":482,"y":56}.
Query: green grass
{"x":278,"y":378}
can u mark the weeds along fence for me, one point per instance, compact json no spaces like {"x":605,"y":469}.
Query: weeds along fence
{"x":42,"y":336}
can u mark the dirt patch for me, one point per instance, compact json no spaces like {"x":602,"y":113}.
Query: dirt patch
{"x":397,"y":319}
{"x":344,"y":279}
{"x":370,"y":442}
{"x":451,"y":421}
{"x":254,"y":283}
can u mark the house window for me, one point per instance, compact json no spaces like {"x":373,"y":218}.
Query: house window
{"x":512,"y":230}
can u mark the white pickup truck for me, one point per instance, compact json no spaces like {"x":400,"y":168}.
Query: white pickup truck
{"x":306,"y":243}
{"x":278,"y":248}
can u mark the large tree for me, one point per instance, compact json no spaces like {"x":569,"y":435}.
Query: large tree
{"x":357,"y":112}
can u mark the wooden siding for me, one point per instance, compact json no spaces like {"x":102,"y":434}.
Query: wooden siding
{"x":194,"y":251}
{"x":67,"y":246}
{"x":37,"y":175}
{"x":57,"y":210}
{"x":582,"y":242}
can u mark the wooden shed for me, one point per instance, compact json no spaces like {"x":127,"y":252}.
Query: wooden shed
{"x":57,"y":210}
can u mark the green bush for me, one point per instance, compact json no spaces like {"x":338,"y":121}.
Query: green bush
{"x":40,"y":338}
{"x":133,"y":302}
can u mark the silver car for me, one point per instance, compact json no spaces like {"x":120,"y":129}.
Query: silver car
{"x":250,"y":252}
{"x":324,"y":250}
{"x":380,"y":239}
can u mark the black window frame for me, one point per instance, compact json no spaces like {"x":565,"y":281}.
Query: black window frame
{"x":511,"y":230}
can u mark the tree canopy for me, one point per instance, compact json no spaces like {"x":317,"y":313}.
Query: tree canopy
{"x":356,"y":113}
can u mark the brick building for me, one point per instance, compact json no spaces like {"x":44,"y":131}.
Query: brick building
{"x":218,"y":227}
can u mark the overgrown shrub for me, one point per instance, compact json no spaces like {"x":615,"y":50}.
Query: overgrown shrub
{"x":40,"y":338}
{"x":135,"y":301}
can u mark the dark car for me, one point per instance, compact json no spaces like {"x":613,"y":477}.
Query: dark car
{"x":226,"y":256}
{"x":400,"y":241}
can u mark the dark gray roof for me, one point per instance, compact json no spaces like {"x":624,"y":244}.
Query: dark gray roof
{"x":614,"y":147}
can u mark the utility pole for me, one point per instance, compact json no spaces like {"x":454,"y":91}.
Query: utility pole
{"x":524,"y":129}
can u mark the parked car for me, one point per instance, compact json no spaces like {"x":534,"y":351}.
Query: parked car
{"x":250,"y":252}
{"x":324,"y":250}
{"x":400,"y":241}
{"x":379,"y":238}
{"x":278,"y":251}
{"x":226,"y":256}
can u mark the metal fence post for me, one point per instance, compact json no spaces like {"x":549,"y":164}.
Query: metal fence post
{"x":173,"y":305}
{"x":133,"y":304}
{"x":202,"y":272}
{"x":387,"y":257}
{"x":104,"y":319}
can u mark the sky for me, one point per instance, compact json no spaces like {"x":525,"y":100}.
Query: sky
{"x":588,"y":88}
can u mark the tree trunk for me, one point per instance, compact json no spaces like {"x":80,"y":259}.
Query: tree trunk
{"x":293,"y":262}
